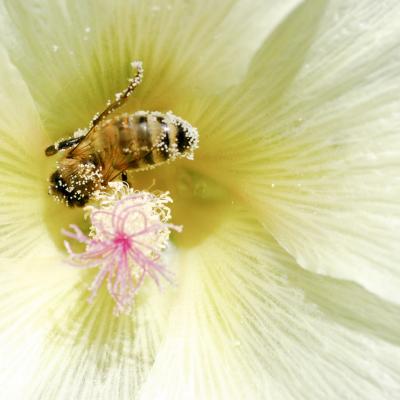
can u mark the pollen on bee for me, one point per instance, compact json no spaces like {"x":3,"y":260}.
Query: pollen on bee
{"x":128,"y":235}
{"x":84,"y":179}
{"x":80,"y":133}
{"x":190,"y":132}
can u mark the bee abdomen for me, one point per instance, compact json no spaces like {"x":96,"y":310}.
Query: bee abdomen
{"x":164,"y":142}
{"x":157,"y":138}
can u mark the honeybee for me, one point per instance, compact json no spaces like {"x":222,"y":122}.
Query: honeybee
{"x":110,"y":147}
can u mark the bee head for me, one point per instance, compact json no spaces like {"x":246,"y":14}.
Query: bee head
{"x":60,"y":189}
{"x":75,"y":188}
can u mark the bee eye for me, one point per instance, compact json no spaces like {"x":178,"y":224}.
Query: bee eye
{"x":54,"y":178}
{"x":59,"y":189}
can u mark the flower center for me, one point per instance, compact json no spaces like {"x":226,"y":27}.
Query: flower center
{"x":137,"y":223}
{"x":122,"y":242}
{"x":199,"y":203}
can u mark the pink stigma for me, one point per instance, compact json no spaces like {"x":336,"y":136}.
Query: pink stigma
{"x":126,"y":241}
{"x":123,"y":242}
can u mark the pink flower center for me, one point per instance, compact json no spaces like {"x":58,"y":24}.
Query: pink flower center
{"x":123,"y":242}
{"x":126,"y":245}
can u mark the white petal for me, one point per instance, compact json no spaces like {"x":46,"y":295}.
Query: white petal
{"x":23,"y":178}
{"x":244,"y":322}
{"x":338,"y":210}
{"x":77,"y":55}
{"x":26,"y":314}
{"x":55,"y":345}
{"x":250,"y":324}
{"x":313,"y":143}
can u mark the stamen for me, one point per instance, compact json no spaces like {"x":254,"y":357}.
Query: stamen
{"x":129,"y":232}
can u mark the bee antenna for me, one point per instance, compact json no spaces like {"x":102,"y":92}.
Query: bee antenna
{"x":120,"y":98}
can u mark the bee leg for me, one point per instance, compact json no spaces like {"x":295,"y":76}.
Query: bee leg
{"x":122,"y":97}
{"x":124,"y":177}
{"x":64,"y":144}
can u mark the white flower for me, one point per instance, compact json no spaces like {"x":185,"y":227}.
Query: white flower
{"x":288,"y":266}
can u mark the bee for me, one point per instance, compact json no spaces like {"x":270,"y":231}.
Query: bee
{"x":109,"y":147}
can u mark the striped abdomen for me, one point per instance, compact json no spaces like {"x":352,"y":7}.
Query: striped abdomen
{"x":143,"y":140}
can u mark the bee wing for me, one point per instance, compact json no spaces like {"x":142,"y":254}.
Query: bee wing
{"x":116,"y":147}
{"x":139,"y":158}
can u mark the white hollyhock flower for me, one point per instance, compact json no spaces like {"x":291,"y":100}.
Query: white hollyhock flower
{"x":288,"y":266}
